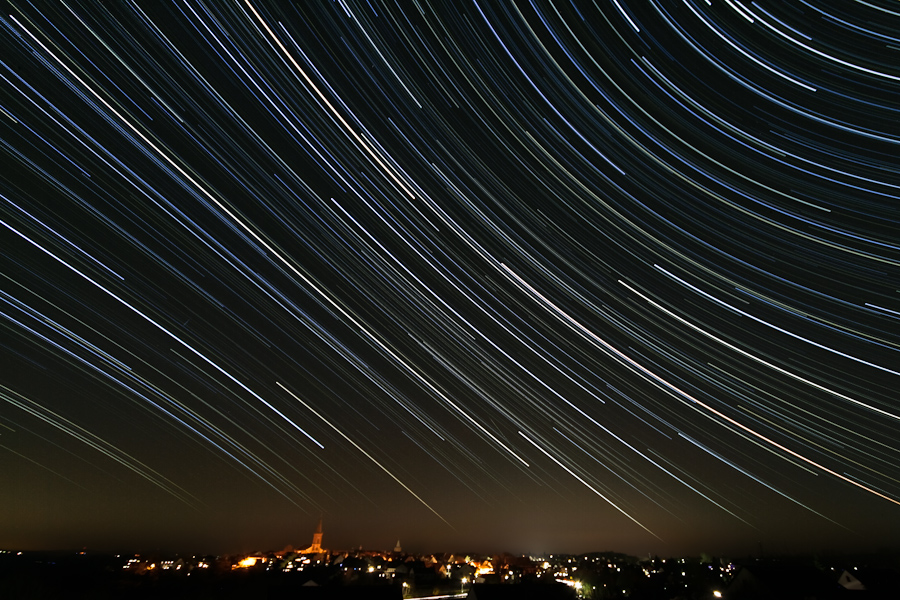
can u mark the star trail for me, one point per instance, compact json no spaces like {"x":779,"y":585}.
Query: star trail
{"x":518,"y":275}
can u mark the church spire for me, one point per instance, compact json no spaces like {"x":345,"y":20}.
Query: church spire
{"x":316,"y":547}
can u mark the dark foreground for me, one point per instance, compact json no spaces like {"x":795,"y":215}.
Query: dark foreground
{"x":42,"y":576}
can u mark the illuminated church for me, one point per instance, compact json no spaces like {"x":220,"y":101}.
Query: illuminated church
{"x":316,"y":547}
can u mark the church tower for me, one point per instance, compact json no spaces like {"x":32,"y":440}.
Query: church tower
{"x":316,"y":547}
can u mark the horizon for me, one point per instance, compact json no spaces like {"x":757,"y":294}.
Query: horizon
{"x":616,"y":276}
{"x":746,"y":550}
{"x":876,"y":554}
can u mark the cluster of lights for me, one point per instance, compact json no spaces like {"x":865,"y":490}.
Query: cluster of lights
{"x":298,"y":564}
{"x":135,"y":563}
{"x":246,"y":563}
{"x":563,"y":568}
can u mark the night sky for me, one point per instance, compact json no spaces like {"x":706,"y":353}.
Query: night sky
{"x":509,"y":276}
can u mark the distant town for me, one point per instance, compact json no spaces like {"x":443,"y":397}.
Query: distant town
{"x":317,"y":572}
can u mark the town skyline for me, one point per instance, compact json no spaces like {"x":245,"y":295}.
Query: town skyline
{"x":397,"y":574}
{"x":315,"y":539}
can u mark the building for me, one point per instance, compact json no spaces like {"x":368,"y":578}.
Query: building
{"x":316,"y":547}
{"x":876,"y":583}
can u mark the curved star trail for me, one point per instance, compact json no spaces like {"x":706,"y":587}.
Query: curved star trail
{"x":465,"y":267}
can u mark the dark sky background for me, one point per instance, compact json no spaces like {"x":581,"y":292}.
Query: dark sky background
{"x":502,"y":276}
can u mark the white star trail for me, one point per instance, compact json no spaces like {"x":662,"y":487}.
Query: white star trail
{"x":465,"y":265}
